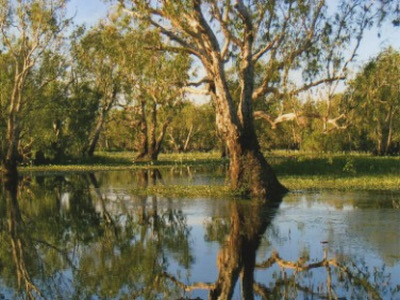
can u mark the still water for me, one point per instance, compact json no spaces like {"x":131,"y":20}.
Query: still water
{"x":90,"y":236}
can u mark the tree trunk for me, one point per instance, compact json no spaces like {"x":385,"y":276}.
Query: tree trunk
{"x":188,"y":137}
{"x":379,"y":138}
{"x":150,"y":145}
{"x":13,"y":121}
{"x":11,"y":159}
{"x":13,"y":124}
{"x":389,"y":131}
{"x":152,"y":155}
{"x":156,"y":151}
{"x":143,"y":144}
{"x":109,"y":101}
{"x":238,"y":255}
{"x":96,"y":135}
{"x":249,"y":171}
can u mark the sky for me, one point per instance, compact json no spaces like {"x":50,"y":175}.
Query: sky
{"x":87,"y":11}
{"x":90,"y":11}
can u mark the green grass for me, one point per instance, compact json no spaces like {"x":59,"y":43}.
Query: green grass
{"x":339,"y":165}
{"x":187,"y":191}
{"x":296,"y":170}
{"x":104,"y":161}
{"x":343,"y":172}
{"x":367,"y":183}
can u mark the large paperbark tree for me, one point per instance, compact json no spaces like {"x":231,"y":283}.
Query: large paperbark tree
{"x":287,"y":36}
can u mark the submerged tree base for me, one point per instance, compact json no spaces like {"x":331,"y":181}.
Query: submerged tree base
{"x":251,"y":175}
{"x":10,"y":171}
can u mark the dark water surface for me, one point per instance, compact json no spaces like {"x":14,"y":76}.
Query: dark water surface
{"x":88,"y":236}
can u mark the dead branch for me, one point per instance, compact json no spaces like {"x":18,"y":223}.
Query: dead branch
{"x":280,"y":119}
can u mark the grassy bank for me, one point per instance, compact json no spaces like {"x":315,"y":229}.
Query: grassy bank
{"x":125,"y":160}
{"x":345,"y":172}
{"x":297,"y":170}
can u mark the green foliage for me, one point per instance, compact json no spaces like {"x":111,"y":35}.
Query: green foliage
{"x":374,"y":99}
{"x":364,"y":118}
{"x":63,"y":116}
{"x":30,"y":44}
{"x":192,"y":129}
{"x":349,"y":166}
{"x":120,"y":133}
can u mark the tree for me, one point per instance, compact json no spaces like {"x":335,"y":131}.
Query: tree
{"x":43,"y":134}
{"x":287,"y":36}
{"x":28,"y":29}
{"x":99,"y":64}
{"x":159,"y":93}
{"x":154,"y":86}
{"x":374,"y":97}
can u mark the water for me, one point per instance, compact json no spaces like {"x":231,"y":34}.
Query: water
{"x":88,"y":236}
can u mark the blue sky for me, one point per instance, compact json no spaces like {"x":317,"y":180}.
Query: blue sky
{"x":87,"y":11}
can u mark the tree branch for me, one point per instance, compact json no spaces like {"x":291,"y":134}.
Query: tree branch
{"x":167,"y":32}
{"x":223,"y":21}
{"x":307,"y":86}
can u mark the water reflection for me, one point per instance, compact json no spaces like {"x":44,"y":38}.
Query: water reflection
{"x":85,"y":236}
{"x":20,"y":245}
{"x":237,"y":256}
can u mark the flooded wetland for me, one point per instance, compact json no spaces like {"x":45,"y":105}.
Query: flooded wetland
{"x":92,"y":236}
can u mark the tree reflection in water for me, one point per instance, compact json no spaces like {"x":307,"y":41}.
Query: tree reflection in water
{"x":132,"y":260}
{"x":70,"y":237}
{"x":21,"y":245}
{"x":283,"y":279}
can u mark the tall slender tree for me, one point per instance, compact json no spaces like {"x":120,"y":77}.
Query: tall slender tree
{"x":28,"y":29}
{"x":98,"y":64}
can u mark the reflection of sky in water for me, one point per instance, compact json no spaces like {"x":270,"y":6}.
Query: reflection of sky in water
{"x":348,"y":225}
{"x":307,"y":225}
{"x":362,"y":227}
